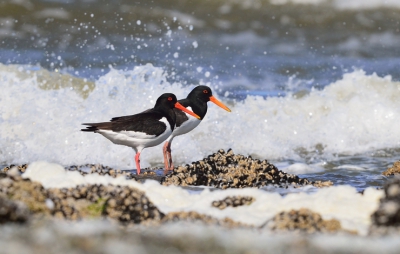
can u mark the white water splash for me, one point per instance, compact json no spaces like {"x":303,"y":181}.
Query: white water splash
{"x":353,"y":115}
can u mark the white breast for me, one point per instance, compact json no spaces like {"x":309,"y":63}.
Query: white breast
{"x":187,"y":126}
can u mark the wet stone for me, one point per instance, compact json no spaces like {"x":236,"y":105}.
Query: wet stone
{"x":303,"y":220}
{"x":198,"y":217}
{"x":32,"y":194}
{"x":3,"y":175}
{"x":129,"y":205}
{"x":20,"y":168}
{"x":233,"y":201}
{"x":388,"y":213}
{"x":12,"y":211}
{"x":147,"y":173}
{"x":124,"y":204}
{"x":394,"y":170}
{"x":82,"y":169}
{"x":227,"y":170}
{"x":99,"y":169}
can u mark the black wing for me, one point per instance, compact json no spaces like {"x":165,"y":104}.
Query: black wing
{"x":146,"y":122}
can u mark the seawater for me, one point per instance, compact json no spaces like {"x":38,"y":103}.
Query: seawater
{"x":345,"y":132}
{"x":313,"y":86}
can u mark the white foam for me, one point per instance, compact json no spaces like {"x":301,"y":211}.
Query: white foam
{"x":353,"y":115}
{"x":350,"y":167}
{"x":52,"y":175}
{"x":352,"y":209}
{"x":302,"y":168}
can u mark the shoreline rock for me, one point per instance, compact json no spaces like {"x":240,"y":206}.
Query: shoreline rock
{"x":220,"y":170}
{"x":26,"y":200}
{"x":386,"y":219}
{"x":22,"y":200}
{"x":123,"y":204}
{"x":394,"y":170}
{"x":13,"y":211}
{"x":303,"y":220}
{"x":227,"y":170}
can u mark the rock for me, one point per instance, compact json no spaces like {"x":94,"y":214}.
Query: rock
{"x":125,"y":204}
{"x":233,"y":201}
{"x":3,"y":175}
{"x":12,"y":211}
{"x":197,"y":217}
{"x":99,"y":169}
{"x":394,"y":170}
{"x":82,"y":169}
{"x":32,"y":194}
{"x":303,"y":220}
{"x":20,"y":168}
{"x":226,"y":170}
{"x":388,"y":213}
{"x":129,"y":205}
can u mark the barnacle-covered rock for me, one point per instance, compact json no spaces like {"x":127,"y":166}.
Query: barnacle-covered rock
{"x":198,"y":217}
{"x":233,"y":201}
{"x":394,"y":170}
{"x":388,"y":213}
{"x":227,"y":170}
{"x":303,"y":220}
{"x":12,"y":211}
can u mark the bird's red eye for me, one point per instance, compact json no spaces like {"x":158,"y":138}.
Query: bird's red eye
{"x":170,"y":98}
{"x":205,"y":91}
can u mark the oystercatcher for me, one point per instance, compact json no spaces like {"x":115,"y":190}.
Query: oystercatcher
{"x":146,"y":129}
{"x":196,"y":101}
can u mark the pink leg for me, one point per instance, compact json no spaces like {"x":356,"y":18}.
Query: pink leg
{"x":137,"y":160}
{"x":165,"y":152}
{"x":167,"y":157}
{"x":171,"y":164}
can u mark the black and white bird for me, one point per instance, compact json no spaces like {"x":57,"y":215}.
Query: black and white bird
{"x":146,"y":129}
{"x":196,"y":101}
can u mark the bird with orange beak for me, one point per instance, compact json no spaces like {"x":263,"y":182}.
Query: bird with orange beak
{"x":196,"y":101}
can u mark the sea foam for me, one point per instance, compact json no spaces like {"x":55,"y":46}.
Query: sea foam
{"x":344,"y":203}
{"x":355,"y":114}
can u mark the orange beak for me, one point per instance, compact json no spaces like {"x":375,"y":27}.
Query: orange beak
{"x":213,"y":99}
{"x":179,"y":106}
